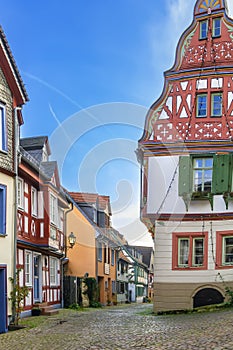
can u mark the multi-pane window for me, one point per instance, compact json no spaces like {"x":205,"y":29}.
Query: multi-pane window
{"x":28,"y":268}
{"x":113,"y":287}
{"x":20,"y":193}
{"x":53,"y":271}
{"x":34,"y":201}
{"x":202,"y":105}
{"x":2,"y":210}
{"x":227,"y":254}
{"x":216,"y":32}
{"x":190,"y":250}
{"x":100,"y":252}
{"x":202,"y":174}
{"x":203,"y":29}
{"x":198,"y":251}
{"x":53,"y":209}
{"x":112,"y":257}
{"x":3,"y":137}
{"x":216,"y":105}
{"x":183,"y":252}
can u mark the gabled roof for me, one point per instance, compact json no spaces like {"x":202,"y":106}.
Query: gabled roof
{"x":101,"y":202}
{"x":49,"y":168}
{"x":35,"y":142}
{"x":35,"y":146}
{"x":8,"y":64}
{"x":146,"y":254}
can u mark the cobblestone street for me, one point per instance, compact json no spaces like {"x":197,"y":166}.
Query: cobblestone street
{"x":125,"y":327}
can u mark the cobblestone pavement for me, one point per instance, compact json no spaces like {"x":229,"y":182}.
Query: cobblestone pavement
{"x":125,"y":327}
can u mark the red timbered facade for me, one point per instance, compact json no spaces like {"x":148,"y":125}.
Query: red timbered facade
{"x":186,"y":154}
{"x":40,"y":226}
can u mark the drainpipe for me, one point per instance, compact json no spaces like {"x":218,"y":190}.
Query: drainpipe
{"x":16,"y":150}
{"x":64,"y":256}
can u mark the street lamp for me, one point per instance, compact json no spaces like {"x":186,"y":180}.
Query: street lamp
{"x":71,"y":240}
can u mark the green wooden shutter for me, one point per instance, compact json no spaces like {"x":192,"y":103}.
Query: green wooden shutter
{"x":221,"y":173}
{"x":185,"y":175}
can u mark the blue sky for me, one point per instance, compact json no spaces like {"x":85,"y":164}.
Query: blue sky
{"x":106,"y":56}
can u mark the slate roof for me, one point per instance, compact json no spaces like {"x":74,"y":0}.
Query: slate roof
{"x":146,"y":254}
{"x":48,"y":168}
{"x":13,"y":63}
{"x":35,"y":142}
{"x":34,"y":146}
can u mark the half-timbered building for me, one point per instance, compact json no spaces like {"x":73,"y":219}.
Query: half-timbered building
{"x":12,"y":97}
{"x":186,"y":157}
{"x":40,"y":225}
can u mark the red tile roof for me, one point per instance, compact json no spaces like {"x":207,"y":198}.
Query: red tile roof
{"x":102,"y":202}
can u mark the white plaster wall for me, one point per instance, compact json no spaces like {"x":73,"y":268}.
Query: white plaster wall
{"x":7,"y":242}
{"x":163,"y":253}
{"x":160,"y":174}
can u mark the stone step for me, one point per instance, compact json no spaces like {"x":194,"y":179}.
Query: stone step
{"x":48,"y":310}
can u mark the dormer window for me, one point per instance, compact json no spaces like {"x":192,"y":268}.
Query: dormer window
{"x":203,"y":29}
{"x":216,"y":31}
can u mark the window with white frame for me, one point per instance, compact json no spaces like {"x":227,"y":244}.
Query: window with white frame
{"x":201,"y":105}
{"x":53,"y":209}
{"x":61,"y":219}
{"x":216,"y":105}
{"x":216,"y":32}
{"x":202,"y":174}
{"x":2,"y":210}
{"x":34,"y":201}
{"x":227,"y":253}
{"x":28,"y":268}
{"x":3,"y":134}
{"x":20,"y":193}
{"x":53,"y":270}
{"x":190,"y":250}
{"x":203,"y":29}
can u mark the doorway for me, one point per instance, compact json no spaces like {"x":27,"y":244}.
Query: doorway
{"x":37,"y":278}
{"x":3,"y":300}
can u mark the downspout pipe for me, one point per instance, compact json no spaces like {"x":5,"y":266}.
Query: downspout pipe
{"x":16,"y":163}
{"x":65,"y":255}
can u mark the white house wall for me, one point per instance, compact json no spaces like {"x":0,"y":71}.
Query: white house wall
{"x":163,"y":253}
{"x":160,"y":174}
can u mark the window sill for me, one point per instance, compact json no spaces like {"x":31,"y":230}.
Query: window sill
{"x":3,"y":235}
{"x":200,"y":195}
{"x":5,"y":152}
{"x":189,"y":268}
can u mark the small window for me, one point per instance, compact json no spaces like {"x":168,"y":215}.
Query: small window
{"x":34,"y":201}
{"x":53,"y":209}
{"x":203,"y":29}
{"x":3,"y":210}
{"x":53,"y":271}
{"x":21,"y":193}
{"x":183,"y":252}
{"x":100,"y":252}
{"x":28,"y":268}
{"x":216,"y":27}
{"x":112,"y":257}
{"x":190,"y":250}
{"x":202,"y":174}
{"x":227,"y":255}
{"x":198,"y":251}
{"x":202,"y":105}
{"x":216,"y":105}
{"x":3,"y":136}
